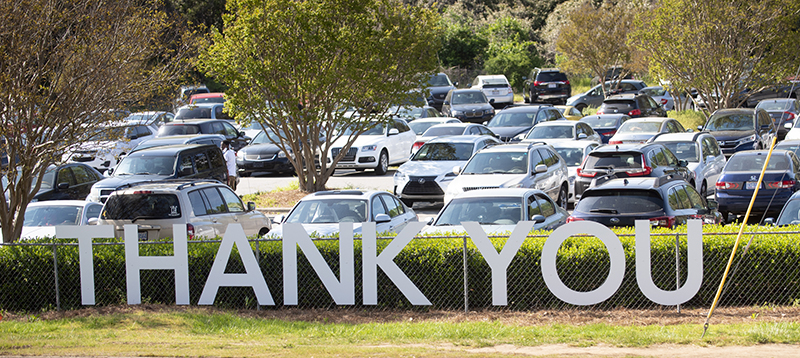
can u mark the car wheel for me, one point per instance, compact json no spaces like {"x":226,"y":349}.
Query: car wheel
{"x":263,"y":231}
{"x":580,"y":107}
{"x":383,"y":164}
{"x":703,"y":189}
{"x":563,"y":197}
{"x":408,"y":202}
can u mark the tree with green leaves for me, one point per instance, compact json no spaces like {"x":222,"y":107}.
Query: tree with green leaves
{"x":316,"y":71}
{"x":511,"y":51}
{"x":64,"y":65}
{"x":721,"y":48}
{"x":595,"y":38}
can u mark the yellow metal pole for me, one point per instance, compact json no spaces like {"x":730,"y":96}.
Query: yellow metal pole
{"x":739,"y":236}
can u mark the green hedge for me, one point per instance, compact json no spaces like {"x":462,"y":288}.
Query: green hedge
{"x":767,"y":274}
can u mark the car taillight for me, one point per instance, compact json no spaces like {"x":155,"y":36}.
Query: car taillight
{"x":663,"y":221}
{"x":786,"y":184}
{"x":615,"y":142}
{"x":600,"y":111}
{"x":639,"y":172}
{"x":584,"y":174}
{"x":190,"y":231}
{"x":609,"y":133}
{"x":663,"y":101}
{"x":536,"y":83}
{"x":726,"y":185}
{"x":789,"y":116}
{"x":566,"y":82}
{"x":571,"y":219}
{"x":635,"y":112}
{"x":416,"y":146}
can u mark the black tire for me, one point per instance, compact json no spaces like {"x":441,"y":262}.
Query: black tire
{"x":580,"y":107}
{"x":263,"y":231}
{"x":245,"y":174}
{"x":563,"y":198}
{"x":703,"y":189}
{"x":726,"y":217}
{"x":383,"y":164}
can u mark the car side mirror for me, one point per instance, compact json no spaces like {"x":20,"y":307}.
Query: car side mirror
{"x":382,"y":218}
{"x":455,"y":84}
{"x":240,"y":134}
{"x":538,"y":219}
{"x":689,"y":130}
{"x":787,"y":125}
{"x":251,"y":206}
{"x":541,"y":168}
{"x":769,"y":222}
{"x":683,"y":163}
{"x":700,"y":128}
{"x":457,"y":170}
{"x":186,"y":171}
{"x":110,"y":170}
{"x":394,"y":131}
{"x":491,"y":101}
{"x":582,"y":136}
{"x":62,"y":186}
{"x":277,"y":219}
{"x":93,"y":221}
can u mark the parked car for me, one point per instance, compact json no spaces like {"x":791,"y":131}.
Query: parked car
{"x":740,"y":176}
{"x":606,"y":125}
{"x":262,"y":155}
{"x":665,"y":201}
{"x":738,"y":129}
{"x":215,"y":139}
{"x":412,"y":113}
{"x":666,"y":98}
{"x":421,"y":125}
{"x":787,"y":89}
{"x":42,"y":217}
{"x":438,"y":87}
{"x":640,"y":130}
{"x":377,"y":148}
{"x":495,"y":87}
{"x":783,"y":112}
{"x":109,"y":143}
{"x":468,"y":105}
{"x":519,"y":165}
{"x":70,"y":181}
{"x":186,"y":92}
{"x":205,"y":207}
{"x":426,"y":176}
{"x":630,"y":160}
{"x":569,"y":112}
{"x":547,"y":85}
{"x":595,"y":96}
{"x":558,"y":131}
{"x":498,"y":211}
{"x":511,"y":124}
{"x":211,"y":97}
{"x":194,"y":161}
{"x":206,"y":126}
{"x":156,"y":118}
{"x":202,"y":111}
{"x":702,"y":153}
{"x":573,"y":153}
{"x":792,"y":145}
{"x":614,"y":73}
{"x":632,"y":104}
{"x":790,"y":214}
{"x":450,"y":129}
{"x":320,"y":213}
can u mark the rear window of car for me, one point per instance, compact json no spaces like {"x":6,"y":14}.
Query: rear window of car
{"x":623,"y":106}
{"x":551,"y":77}
{"x":193,"y":112}
{"x":439,"y":131}
{"x":749,"y":163}
{"x":178,"y":129}
{"x":619,"y":201}
{"x":600,"y":122}
{"x":495,"y":83}
{"x":640,"y":127}
{"x":614,"y":160}
{"x":141,"y":206}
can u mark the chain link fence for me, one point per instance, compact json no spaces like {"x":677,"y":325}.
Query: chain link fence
{"x":449,"y":271}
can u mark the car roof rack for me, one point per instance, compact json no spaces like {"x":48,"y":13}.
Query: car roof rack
{"x":183,"y":183}
{"x":339,"y":192}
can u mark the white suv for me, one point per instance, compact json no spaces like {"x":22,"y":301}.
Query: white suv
{"x":495,"y":87}
{"x":110,"y":143}
{"x":206,"y":207}
{"x":377,"y":148}
{"x":519,"y":165}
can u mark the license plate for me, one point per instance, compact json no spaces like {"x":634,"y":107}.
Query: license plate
{"x":552,"y":85}
{"x":495,"y":92}
{"x":258,"y":165}
{"x":142,"y":235}
{"x":750,"y":185}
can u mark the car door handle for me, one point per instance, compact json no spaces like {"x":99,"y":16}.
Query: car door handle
{"x":214,"y":220}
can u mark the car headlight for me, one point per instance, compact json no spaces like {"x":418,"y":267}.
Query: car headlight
{"x":281,"y":154}
{"x":747,"y":139}
{"x":369,"y":148}
{"x":456,"y":113}
{"x":489,"y":111}
{"x":517,"y":185}
{"x":400,"y":176}
{"x":240,"y":155}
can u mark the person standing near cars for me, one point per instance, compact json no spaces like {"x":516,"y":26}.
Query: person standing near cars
{"x":230,"y":162}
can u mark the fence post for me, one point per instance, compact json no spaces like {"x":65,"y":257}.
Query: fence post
{"x":258,"y":260}
{"x":466,"y":283}
{"x":678,"y":266}
{"x":55,"y":270}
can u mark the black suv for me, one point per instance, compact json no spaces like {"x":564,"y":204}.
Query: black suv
{"x":632,"y":104}
{"x":629,"y":160}
{"x":665,"y":201}
{"x":205,"y":126}
{"x":548,"y":85}
{"x":738,"y":129}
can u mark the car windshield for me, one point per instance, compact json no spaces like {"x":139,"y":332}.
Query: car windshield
{"x":654,"y":92}
{"x":731,"y":122}
{"x":146,"y":165}
{"x":600,"y":122}
{"x":776,"y":105}
{"x":407,"y":112}
{"x":141,"y":206}
{"x":617,"y":201}
{"x":420,"y":127}
{"x":791,"y":146}
{"x":551,"y":132}
{"x":485,"y":211}
{"x":639,"y":127}
{"x":266,"y":137}
{"x":194,"y":112}
{"x":754,"y":163}
{"x":178,"y":129}
{"x":572,"y":156}
{"x":684,"y":150}
{"x":497,"y":163}
{"x":142,"y":117}
{"x":790,"y":214}
{"x":329,"y":211}
{"x":469,"y":97}
{"x":52,"y":215}
{"x":513,"y":119}
{"x":443,"y":130}
{"x":210,"y":99}
{"x":379,"y":129}
{"x":618,"y":160}
{"x":108,"y":133}
{"x":440,"y":80}
{"x":444,"y":151}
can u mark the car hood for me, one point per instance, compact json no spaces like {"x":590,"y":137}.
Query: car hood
{"x":731,"y":135}
{"x":313,"y":230}
{"x":266,"y":148}
{"x":430,"y":168}
{"x":486,"y":180}
{"x":509,"y":132}
{"x":115,"y":181}
{"x":32,"y":232}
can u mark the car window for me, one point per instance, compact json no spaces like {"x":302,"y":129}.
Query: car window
{"x":216,"y":205}
{"x":231,"y":200}
{"x":402,"y":126}
{"x":671,"y":159}
{"x":549,"y":157}
{"x":229,"y":130}
{"x":683,"y":198}
{"x":652,"y":158}
{"x":575,"y":112}
{"x":695,"y":199}
{"x":547,"y":206}
{"x":65,"y":176}
{"x":795,"y":162}
{"x":541,"y":116}
{"x":536,"y":159}
{"x":672,"y":200}
{"x":132,"y":206}
{"x":533,"y":207}
{"x":93,"y":211}
{"x":395,"y":209}
{"x":82,"y":175}
{"x":186,"y":167}
{"x":474,"y":130}
{"x":652,"y":103}
{"x":201,"y":161}
{"x":199,"y":206}
{"x":215,"y":158}
{"x":377,"y":207}
{"x":553,"y":115}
